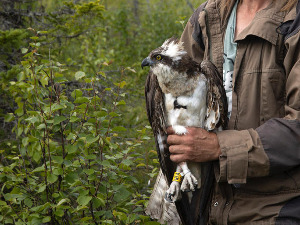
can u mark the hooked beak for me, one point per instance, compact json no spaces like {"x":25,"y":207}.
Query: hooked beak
{"x":147,"y":62}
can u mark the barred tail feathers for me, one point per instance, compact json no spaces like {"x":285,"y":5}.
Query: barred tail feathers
{"x":158,"y":208}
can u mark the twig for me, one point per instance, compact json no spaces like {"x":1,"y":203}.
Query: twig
{"x":190,"y":5}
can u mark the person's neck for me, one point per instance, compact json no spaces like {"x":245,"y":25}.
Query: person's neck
{"x":254,"y":6}
{"x":246,"y":12}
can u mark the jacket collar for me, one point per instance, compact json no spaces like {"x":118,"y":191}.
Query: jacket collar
{"x":270,"y":17}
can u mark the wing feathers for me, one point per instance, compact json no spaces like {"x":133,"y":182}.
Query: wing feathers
{"x":216,"y":97}
{"x":156,"y":114}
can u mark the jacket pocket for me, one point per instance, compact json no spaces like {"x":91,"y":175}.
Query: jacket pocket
{"x":272,"y":94}
{"x":260,"y":97}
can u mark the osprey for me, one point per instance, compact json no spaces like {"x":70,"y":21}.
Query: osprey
{"x":179,"y":93}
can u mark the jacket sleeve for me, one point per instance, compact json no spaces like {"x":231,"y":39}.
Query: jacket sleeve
{"x":274,"y":146}
{"x":192,"y":36}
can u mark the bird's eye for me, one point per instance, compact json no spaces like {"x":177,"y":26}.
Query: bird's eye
{"x":158,"y":57}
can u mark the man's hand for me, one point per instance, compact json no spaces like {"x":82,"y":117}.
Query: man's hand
{"x":197,"y":145}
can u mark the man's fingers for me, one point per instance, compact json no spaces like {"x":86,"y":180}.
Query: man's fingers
{"x":177,"y":158}
{"x":177,"y":149}
{"x":179,"y":139}
{"x":174,"y":139}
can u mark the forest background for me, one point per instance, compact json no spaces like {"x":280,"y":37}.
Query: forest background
{"x":75,"y":143}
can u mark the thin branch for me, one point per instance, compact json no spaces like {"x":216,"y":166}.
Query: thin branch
{"x":190,"y":5}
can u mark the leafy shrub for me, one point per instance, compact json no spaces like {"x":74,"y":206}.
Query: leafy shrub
{"x":68,"y":164}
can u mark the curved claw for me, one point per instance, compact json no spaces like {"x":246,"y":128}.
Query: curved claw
{"x":169,"y":197}
{"x":189,"y":183}
{"x":173,"y":193}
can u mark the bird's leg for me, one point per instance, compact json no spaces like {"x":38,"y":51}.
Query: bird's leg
{"x":173,"y":193}
{"x":189,"y":182}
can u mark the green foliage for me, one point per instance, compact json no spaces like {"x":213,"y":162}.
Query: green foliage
{"x":81,"y":150}
{"x":11,"y":41}
{"x":67,"y":162}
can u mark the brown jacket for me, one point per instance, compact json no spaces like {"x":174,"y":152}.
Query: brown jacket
{"x":258,"y":173}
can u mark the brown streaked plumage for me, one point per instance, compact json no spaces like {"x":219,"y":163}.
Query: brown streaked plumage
{"x":216,"y":95}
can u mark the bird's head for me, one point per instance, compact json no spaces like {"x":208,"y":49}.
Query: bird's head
{"x":169,"y":54}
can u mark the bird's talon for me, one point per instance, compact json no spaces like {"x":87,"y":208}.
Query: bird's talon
{"x":169,"y":197}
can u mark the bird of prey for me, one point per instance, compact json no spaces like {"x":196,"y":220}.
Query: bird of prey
{"x":181,"y":93}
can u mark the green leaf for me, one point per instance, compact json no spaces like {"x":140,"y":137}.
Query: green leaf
{"x":55,"y":195}
{"x":122,"y":102}
{"x":76,"y":93}
{"x":89,"y":171}
{"x":98,"y":202}
{"x":56,"y":107}
{"x":91,"y":139}
{"x":119,"y":128}
{"x":141,"y":165}
{"x":44,"y":80}
{"x":41,"y":126}
{"x":84,"y":200}
{"x":122,"y":194}
{"x":81,"y":100}
{"x":39,"y":169}
{"x":59,"y":119}
{"x":24,"y":50}
{"x":9,"y":117}
{"x":122,"y":84}
{"x":59,"y":213}
{"x":34,"y":38}
{"x":42,"y":32}
{"x":74,"y":119}
{"x":33,"y":119}
{"x":3,"y":203}
{"x":50,"y":121}
{"x":71,"y":177}
{"x":41,"y":188}
{"x":79,"y":75}
{"x":71,"y":148}
{"x":46,"y":219}
{"x":100,"y":114}
{"x":28,"y":202}
{"x":58,"y":171}
{"x":92,"y":157}
{"x":61,"y":202}
{"x":71,"y":136}
{"x":113,"y":114}
{"x":52,"y":178}
{"x":58,"y":159}
{"x":37,"y":156}
{"x":40,"y":207}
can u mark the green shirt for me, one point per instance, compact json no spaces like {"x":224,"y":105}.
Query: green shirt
{"x":229,"y":57}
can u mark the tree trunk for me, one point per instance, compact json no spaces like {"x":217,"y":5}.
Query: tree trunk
{"x":136,"y":11}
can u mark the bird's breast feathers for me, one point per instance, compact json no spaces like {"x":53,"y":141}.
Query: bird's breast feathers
{"x":174,"y":82}
{"x":189,"y":110}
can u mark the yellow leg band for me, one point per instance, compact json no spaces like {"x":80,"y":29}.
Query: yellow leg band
{"x":177,"y":177}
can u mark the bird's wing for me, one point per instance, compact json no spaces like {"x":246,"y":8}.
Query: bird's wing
{"x":217,"y":108}
{"x":155,"y":105}
{"x":216,"y":117}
